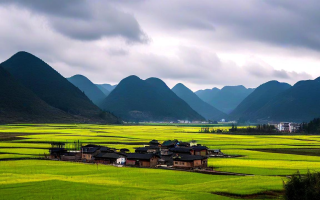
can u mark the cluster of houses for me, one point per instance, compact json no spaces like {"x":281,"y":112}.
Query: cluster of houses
{"x":171,"y":153}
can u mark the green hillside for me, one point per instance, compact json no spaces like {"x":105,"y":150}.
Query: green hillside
{"x":259,"y":98}
{"x":147,"y":100}
{"x":18,"y":104}
{"x":298,"y":103}
{"x":53,"y":88}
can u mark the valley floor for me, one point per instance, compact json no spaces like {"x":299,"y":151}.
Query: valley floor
{"x":269,"y":159}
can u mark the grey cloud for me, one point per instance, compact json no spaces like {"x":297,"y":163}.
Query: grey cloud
{"x":85,"y":20}
{"x":288,"y":23}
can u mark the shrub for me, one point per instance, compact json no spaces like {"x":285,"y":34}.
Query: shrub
{"x":301,"y":187}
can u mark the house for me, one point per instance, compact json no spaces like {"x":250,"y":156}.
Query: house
{"x":56,"y":153}
{"x":284,"y":127}
{"x":148,"y":149}
{"x":71,"y":156}
{"x":142,"y":160}
{"x":215,"y":152}
{"x":183,"y":144}
{"x":182,"y":150}
{"x":294,"y":127}
{"x":190,"y":161}
{"x":200,"y":150}
{"x":88,"y":151}
{"x":110,"y":158}
{"x":169,"y":144}
{"x":154,"y":143}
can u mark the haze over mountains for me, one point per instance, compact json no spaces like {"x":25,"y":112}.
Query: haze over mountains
{"x":226,"y":99}
{"x":135,"y":99}
{"x":32,"y":91}
{"x":203,"y":108}
{"x":89,"y":88}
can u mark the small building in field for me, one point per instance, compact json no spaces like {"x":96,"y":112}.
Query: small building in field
{"x":190,"y":161}
{"x":71,"y":156}
{"x":142,"y":160}
{"x":57,"y":153}
{"x":110,"y":158}
{"x":215,"y":152}
{"x":89,"y":151}
{"x":200,"y":150}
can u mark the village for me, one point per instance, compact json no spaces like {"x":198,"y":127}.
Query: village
{"x":170,"y":154}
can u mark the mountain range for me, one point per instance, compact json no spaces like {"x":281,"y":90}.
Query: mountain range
{"x":203,"y":108}
{"x":226,"y":99}
{"x":135,"y":99}
{"x":32,"y":91}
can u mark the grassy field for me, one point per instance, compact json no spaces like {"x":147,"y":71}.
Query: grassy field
{"x":266,"y":159}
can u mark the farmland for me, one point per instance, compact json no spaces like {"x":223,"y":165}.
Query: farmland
{"x":266,"y":160}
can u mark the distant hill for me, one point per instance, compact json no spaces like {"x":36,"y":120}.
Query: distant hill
{"x":20,"y":105}
{"x":226,"y":99}
{"x":103,"y":90}
{"x":298,"y":103}
{"x":208,"y":94}
{"x":258,"y":98}
{"x":53,"y":88}
{"x":147,"y":100}
{"x":107,"y":86}
{"x":89,"y":89}
{"x":203,"y":108}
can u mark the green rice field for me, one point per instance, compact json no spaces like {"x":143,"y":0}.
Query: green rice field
{"x":266,"y":160}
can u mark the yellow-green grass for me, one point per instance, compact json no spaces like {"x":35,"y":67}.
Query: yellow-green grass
{"x":264,"y":165}
{"x":79,"y":181}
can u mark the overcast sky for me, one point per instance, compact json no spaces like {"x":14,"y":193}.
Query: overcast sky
{"x":202,"y":44}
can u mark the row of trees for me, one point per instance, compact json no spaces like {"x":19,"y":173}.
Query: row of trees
{"x":313,"y":127}
{"x":260,"y":128}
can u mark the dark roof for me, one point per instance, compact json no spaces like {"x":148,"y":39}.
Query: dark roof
{"x":105,"y":149}
{"x":180,"y":150}
{"x":109,"y":155}
{"x":188,"y":158}
{"x":169,"y":143}
{"x":184,"y":144}
{"x":141,"y":149}
{"x":91,"y":145}
{"x":154,"y":142}
{"x":199,"y":148}
{"x":124,"y":149}
{"x":89,"y":150}
{"x":54,"y":150}
{"x":140,"y":156}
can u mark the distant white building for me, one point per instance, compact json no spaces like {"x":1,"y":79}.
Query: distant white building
{"x":223,"y":120}
{"x":289,"y":127}
{"x":284,"y":126}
